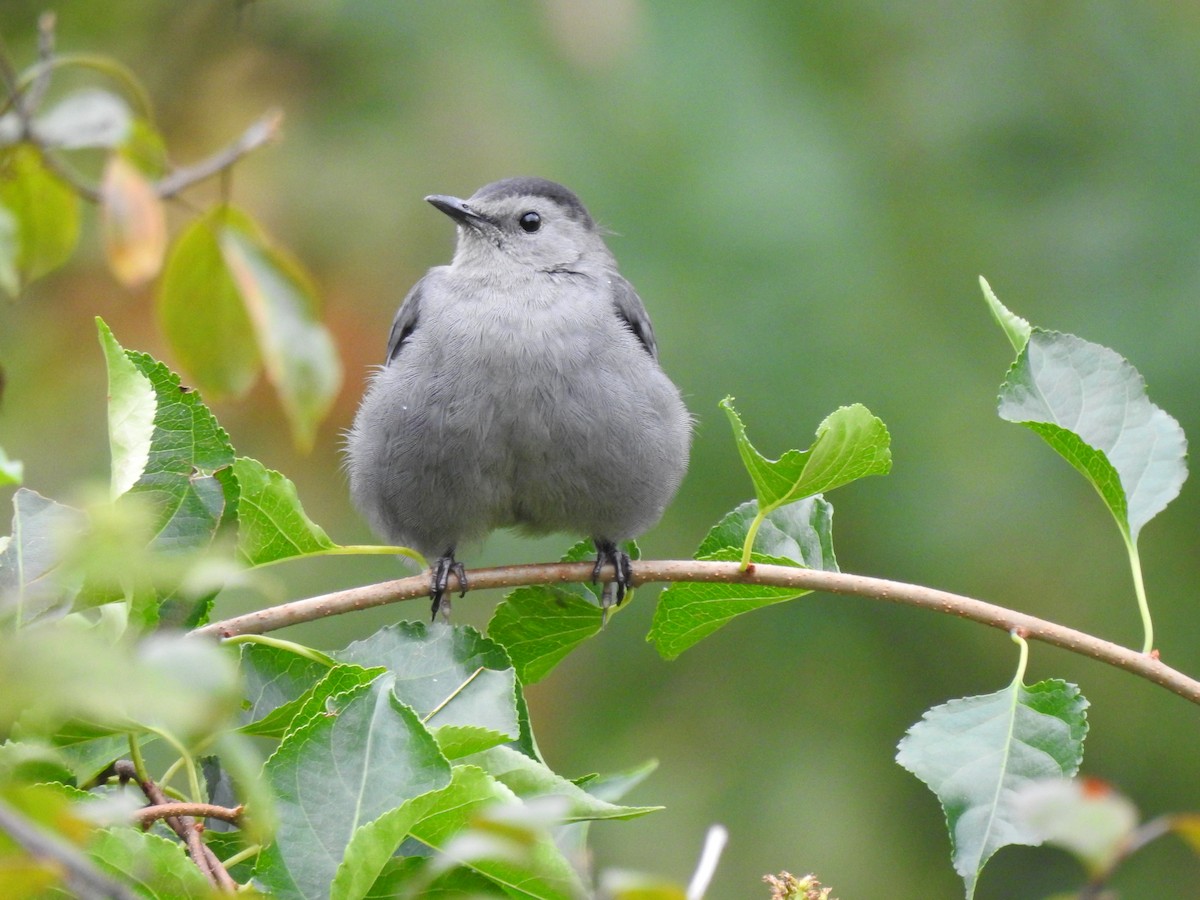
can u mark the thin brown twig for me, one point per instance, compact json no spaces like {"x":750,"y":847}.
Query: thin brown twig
{"x":149,"y":814}
{"x":262,"y":131}
{"x":1146,"y":666}
{"x":25,"y":102}
{"x":187,"y":829}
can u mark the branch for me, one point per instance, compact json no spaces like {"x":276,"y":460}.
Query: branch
{"x":184,"y":826}
{"x":25,"y":99}
{"x":148,"y":814}
{"x":1147,"y":666}
{"x":259,"y":133}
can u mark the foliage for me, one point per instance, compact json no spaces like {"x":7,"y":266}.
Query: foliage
{"x":232,"y":304}
{"x":405,"y":764}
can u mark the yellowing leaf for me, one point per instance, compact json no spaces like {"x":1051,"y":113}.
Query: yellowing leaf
{"x":135,"y":227}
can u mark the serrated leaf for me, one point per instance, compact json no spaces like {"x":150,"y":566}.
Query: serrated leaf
{"x":1090,"y":405}
{"x":273,"y":677}
{"x":530,"y":779}
{"x":1015,"y":328}
{"x":850,"y":444}
{"x":527,"y":866}
{"x":133,"y":223}
{"x":540,"y":625}
{"x":32,"y":762}
{"x":296,"y":348}
{"x":372,"y":754}
{"x":12,"y":471}
{"x":799,"y":533}
{"x":32,"y":581}
{"x":974,"y":753}
{"x":272,"y":524}
{"x":460,"y":683}
{"x":201,"y":312}
{"x":89,"y":117}
{"x":45,"y":210}
{"x":158,"y":866}
{"x":689,"y":612}
{"x":168,"y":449}
{"x":315,"y":701}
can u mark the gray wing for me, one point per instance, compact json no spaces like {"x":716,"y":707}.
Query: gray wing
{"x":632,"y":311}
{"x":405,"y":321}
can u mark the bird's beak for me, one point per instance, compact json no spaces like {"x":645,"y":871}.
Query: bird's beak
{"x":458,"y":210}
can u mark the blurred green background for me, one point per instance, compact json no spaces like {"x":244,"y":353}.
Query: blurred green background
{"x":804,"y":194}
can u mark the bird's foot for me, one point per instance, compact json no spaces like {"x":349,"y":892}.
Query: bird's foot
{"x":614,"y":591}
{"x":439,"y":583}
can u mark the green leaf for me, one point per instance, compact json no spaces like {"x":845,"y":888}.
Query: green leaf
{"x":46,"y":213}
{"x":1090,"y":405}
{"x":167,"y":448}
{"x":464,"y":822}
{"x":799,"y":533}
{"x":58,"y":675}
{"x":298,"y":352}
{"x":33,"y":582}
{"x":974,"y":753}
{"x":273,"y":677}
{"x":201,"y":311}
{"x":688,"y":613}
{"x":460,"y":683}
{"x":315,"y":701}
{"x":158,"y":866}
{"x":540,"y":625}
{"x":851,"y":444}
{"x":32,"y":762}
{"x":530,"y":780}
{"x":272,"y":524}
{"x":1015,"y":328}
{"x":12,"y":471}
{"x":337,"y":773}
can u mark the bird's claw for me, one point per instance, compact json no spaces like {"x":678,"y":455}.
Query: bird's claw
{"x":614,"y":591}
{"x":439,"y":583}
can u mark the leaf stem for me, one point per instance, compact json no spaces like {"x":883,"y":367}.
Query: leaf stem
{"x":353,"y":550}
{"x":196,"y":795}
{"x":1139,"y":587}
{"x":135,"y":756}
{"x":1023,"y":660}
{"x":751,"y":534}
{"x":289,"y":646}
{"x":1143,"y":665}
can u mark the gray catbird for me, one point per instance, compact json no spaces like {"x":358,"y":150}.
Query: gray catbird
{"x":521,"y":388}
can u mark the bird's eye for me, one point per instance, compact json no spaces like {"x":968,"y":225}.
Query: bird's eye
{"x":531,"y":222}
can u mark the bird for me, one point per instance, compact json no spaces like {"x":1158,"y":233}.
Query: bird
{"x":521,"y":388}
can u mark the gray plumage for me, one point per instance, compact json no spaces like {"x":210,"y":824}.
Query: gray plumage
{"x":521,"y":388}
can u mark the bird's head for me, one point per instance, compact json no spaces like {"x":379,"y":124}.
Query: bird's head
{"x":524,"y":222}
